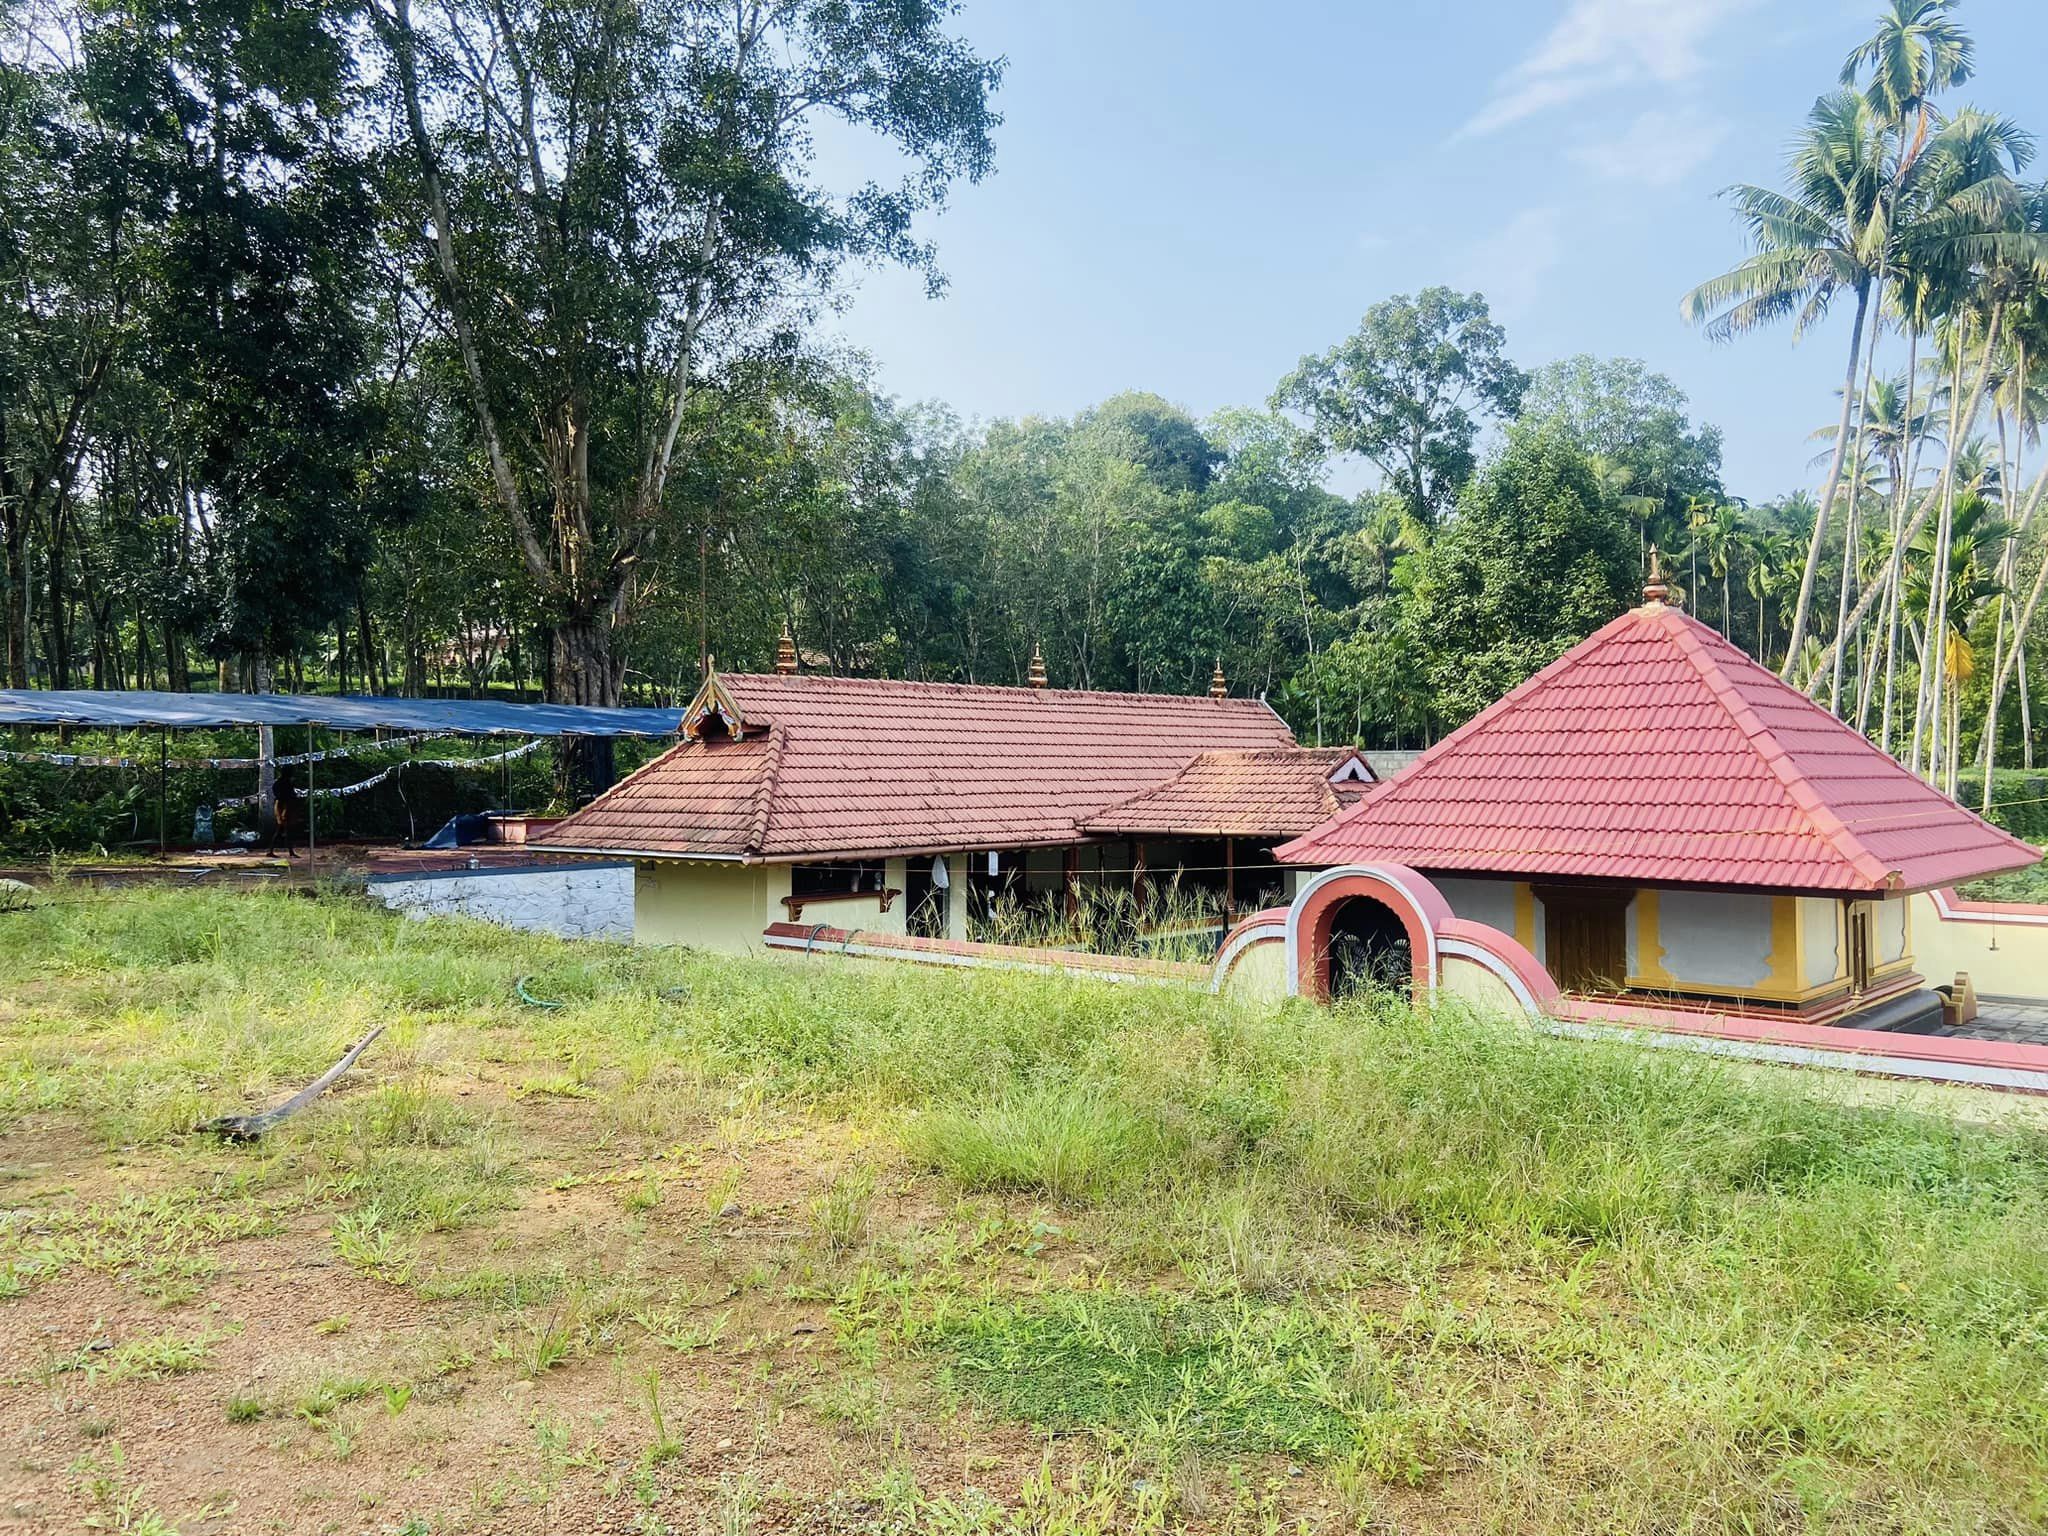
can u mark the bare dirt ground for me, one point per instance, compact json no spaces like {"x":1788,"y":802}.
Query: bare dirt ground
{"x":480,"y":1428}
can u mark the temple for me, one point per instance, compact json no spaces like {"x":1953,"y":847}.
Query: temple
{"x":956,"y":811}
{"x":1655,"y":818}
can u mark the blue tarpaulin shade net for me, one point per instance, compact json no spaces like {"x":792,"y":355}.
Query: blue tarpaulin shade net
{"x":114,"y":710}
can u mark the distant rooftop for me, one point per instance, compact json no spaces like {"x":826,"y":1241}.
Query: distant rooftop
{"x":781,"y":766}
{"x":1279,"y":792}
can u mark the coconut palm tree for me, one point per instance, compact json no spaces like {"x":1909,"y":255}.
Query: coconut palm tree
{"x":1953,"y":214}
{"x":1997,"y":263}
{"x":1773,"y":571}
{"x":1821,"y":241}
{"x":1916,"y":51}
{"x":2022,"y":400}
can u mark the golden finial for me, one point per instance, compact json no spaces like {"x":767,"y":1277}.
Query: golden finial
{"x":1219,"y":685}
{"x":1037,"y":679}
{"x":785,"y":653}
{"x":1656,"y":591}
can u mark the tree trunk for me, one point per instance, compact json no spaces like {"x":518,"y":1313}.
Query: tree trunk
{"x":1999,"y":678}
{"x":1894,"y":572}
{"x":1926,"y":698}
{"x":1802,"y":614}
{"x":1855,"y":497}
{"x":60,"y":599}
{"x":1938,"y":626}
{"x":17,"y":600}
{"x":2001,"y":661}
{"x":580,"y":672}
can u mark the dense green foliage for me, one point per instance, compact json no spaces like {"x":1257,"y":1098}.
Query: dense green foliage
{"x":478,"y":346}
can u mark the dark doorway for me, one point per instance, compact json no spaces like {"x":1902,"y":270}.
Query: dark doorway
{"x":1585,"y":937}
{"x":924,"y":901}
{"x":1369,"y":950}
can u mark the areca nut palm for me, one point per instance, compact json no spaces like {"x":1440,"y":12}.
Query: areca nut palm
{"x":1951,"y":216}
{"x":1824,"y":238}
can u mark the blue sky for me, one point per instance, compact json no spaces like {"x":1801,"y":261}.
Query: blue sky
{"x":1190,"y":194}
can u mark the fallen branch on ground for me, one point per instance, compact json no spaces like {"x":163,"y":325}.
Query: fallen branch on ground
{"x":250,"y":1127}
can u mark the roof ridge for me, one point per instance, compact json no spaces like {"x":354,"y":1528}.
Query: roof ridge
{"x":764,"y":791}
{"x":1384,"y":790}
{"x":1767,"y":749}
{"x":808,"y":678}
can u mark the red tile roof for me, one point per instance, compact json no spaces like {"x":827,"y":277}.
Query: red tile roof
{"x":1655,"y":751}
{"x":867,"y":766}
{"x":710,"y":796}
{"x":1279,"y":793}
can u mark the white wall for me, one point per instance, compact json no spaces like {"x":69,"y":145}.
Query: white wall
{"x":1491,"y":902}
{"x":1713,"y":938}
{"x":577,"y":901}
{"x":2005,"y":954}
{"x":1891,"y":929}
{"x":721,"y":906}
{"x":1820,"y":938}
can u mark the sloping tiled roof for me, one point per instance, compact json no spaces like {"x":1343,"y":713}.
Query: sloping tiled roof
{"x":1656,"y":751}
{"x":868,"y":766}
{"x":1280,"y":793}
{"x":711,"y":796}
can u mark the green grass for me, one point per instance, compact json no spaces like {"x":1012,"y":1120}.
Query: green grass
{"x":1511,"y":1282}
{"x":1220,"y":1375}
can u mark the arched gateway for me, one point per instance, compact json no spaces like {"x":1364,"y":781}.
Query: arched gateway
{"x":1364,"y":925}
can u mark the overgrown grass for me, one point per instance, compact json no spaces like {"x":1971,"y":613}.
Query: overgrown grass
{"x":1536,"y":1284}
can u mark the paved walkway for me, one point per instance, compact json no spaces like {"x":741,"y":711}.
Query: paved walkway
{"x":2019,"y":1023}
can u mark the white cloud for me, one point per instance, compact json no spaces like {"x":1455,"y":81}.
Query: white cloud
{"x":1370,"y":242}
{"x":1598,"y":45}
{"x":1510,"y":265}
{"x":1658,"y":148}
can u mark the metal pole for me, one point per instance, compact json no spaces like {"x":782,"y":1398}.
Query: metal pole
{"x":163,"y":773}
{"x":312,"y":853}
{"x":266,"y":779}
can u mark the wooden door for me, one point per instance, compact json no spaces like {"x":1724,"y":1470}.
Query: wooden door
{"x":1585,"y":933}
{"x":1862,"y":945}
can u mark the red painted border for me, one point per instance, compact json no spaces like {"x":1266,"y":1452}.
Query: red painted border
{"x":1821,"y":1037}
{"x":1512,"y":953}
{"x":1422,"y":913}
{"x":1951,"y":908}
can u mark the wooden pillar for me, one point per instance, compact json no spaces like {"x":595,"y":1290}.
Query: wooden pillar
{"x":1073,"y":877}
{"x":1138,"y":885}
{"x":1229,"y":881}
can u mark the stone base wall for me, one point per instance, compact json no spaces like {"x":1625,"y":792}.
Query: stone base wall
{"x":575,"y":901}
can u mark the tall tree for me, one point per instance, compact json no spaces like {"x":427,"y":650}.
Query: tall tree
{"x":1815,"y":244}
{"x":1410,"y":390}
{"x":1536,"y":559}
{"x":620,"y":198}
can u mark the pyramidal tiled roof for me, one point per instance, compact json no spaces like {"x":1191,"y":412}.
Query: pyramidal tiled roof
{"x":871,"y":766}
{"x":1656,"y":751}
